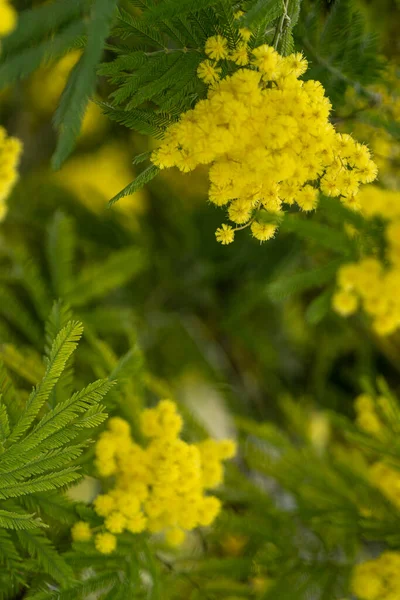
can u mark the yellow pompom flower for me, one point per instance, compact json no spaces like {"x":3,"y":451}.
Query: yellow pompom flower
{"x":105,"y":543}
{"x":216,"y":47}
{"x":263,"y":231}
{"x":345,"y":303}
{"x":10,"y":151}
{"x":240,"y":55}
{"x":8,"y":18}
{"x":208,"y":71}
{"x":104,"y":504}
{"x":81,"y":532}
{"x":175,"y":537}
{"x":115,"y":522}
{"x":225,"y":234}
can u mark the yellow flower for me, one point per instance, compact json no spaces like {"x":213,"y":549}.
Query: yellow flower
{"x":81,"y":532}
{"x":115,"y":522}
{"x":266,"y":136}
{"x":263,"y":231}
{"x":8,"y":18}
{"x":216,"y":47}
{"x":175,"y":536}
{"x":240,"y":55}
{"x":160,"y":487}
{"x":225,"y":234}
{"x":105,"y":543}
{"x":104,"y":504}
{"x":345,"y":303}
{"x":208,"y":71}
{"x":10,"y":151}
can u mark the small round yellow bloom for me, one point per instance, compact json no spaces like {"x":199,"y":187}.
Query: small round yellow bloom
{"x":8,"y":18}
{"x":119,"y":426}
{"x":240,"y":55}
{"x":216,"y":47}
{"x":345,"y":303}
{"x":175,"y":537}
{"x":104,"y":504}
{"x":137,"y":523}
{"x":81,"y":532}
{"x":263,"y":231}
{"x":105,"y":543}
{"x":115,"y":522}
{"x":225,"y":234}
{"x":208,"y":71}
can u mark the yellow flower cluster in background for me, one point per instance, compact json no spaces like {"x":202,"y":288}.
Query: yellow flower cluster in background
{"x":267,"y":138}
{"x":366,"y":413}
{"x":378,"y":579}
{"x":387,"y":480}
{"x":160,"y":487}
{"x":46,"y":87}
{"x":95,"y":177}
{"x":369,"y":283}
{"x":8,"y":18}
{"x":10,"y":152}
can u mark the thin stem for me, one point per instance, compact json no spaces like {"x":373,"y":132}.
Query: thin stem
{"x":283,"y":22}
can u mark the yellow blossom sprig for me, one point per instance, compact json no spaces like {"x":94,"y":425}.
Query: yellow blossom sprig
{"x":160,"y":487}
{"x":266,"y":137}
{"x":368,"y":283}
{"x":10,"y":152}
{"x":377,"y":579}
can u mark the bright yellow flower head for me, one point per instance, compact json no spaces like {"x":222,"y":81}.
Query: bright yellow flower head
{"x":377,"y":579}
{"x":208,"y":71}
{"x":10,"y":151}
{"x":81,"y":532}
{"x":161,"y":486}
{"x":217,"y":47}
{"x":8,"y":18}
{"x":105,"y":543}
{"x":225,"y":234}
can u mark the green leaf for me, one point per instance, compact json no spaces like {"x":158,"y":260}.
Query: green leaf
{"x":301,"y":281}
{"x":82,"y":81}
{"x":33,"y":24}
{"x":319,"y":307}
{"x":323,"y":235}
{"x":140,"y":181}
{"x":18,"y":521}
{"x":99,"y":279}
{"x":262,"y":11}
{"x":62,"y":348}
{"x":39,"y":546}
{"x":61,"y":244}
{"x":27,"y":60}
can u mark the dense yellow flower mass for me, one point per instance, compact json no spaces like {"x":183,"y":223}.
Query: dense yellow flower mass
{"x":267,"y":139}
{"x":370,"y":284}
{"x":378,"y":579}
{"x":10,"y":152}
{"x":8,"y":18}
{"x":159,"y":487}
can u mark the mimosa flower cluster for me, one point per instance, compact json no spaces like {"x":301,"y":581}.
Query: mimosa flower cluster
{"x":378,"y":579}
{"x":370,"y":284}
{"x":8,"y":18}
{"x":10,"y":151}
{"x":370,"y":417}
{"x":159,"y":487}
{"x":267,"y":139}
